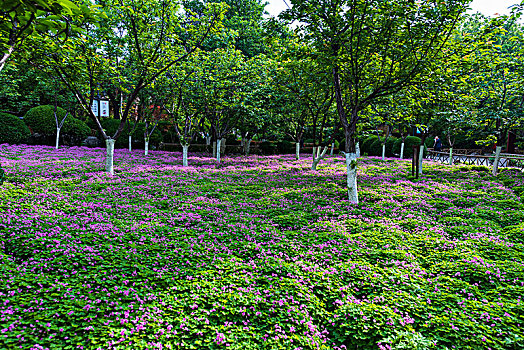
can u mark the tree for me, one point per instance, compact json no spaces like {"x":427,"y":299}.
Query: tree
{"x":135,"y":45}
{"x":21,"y":19}
{"x":373,"y":48}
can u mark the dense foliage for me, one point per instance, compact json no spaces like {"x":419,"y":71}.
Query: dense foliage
{"x":13,"y":129}
{"x":41,"y":120}
{"x":256,"y":253}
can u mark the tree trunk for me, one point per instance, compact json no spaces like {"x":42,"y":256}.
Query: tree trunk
{"x":351,"y":164}
{"x":357,"y":149}
{"x":223,"y":146}
{"x":208,"y":140}
{"x":110,"y":148}
{"x":496,"y":161}
{"x":248,"y":146}
{"x":383,"y":152}
{"x":219,"y":141}
{"x":332,"y":148}
{"x":130,"y":140}
{"x":6,"y":56}
{"x":451,"y":156}
{"x":319,"y":156}
{"x":214,"y":149}
{"x":297,"y":151}
{"x":184,"y":155}
{"x":57,"y":137}
{"x":146,"y":146}
{"x":402,"y":149}
{"x":420,"y":158}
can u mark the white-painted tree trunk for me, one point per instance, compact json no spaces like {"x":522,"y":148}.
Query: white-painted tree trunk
{"x":383,"y":152}
{"x":248,"y":146}
{"x":314,"y":152}
{"x":219,"y":141}
{"x":496,"y":161}
{"x":351,"y":164}
{"x":332,"y":148}
{"x":402,"y":150}
{"x":208,"y":140}
{"x":214,"y":149}
{"x":451,"y":156}
{"x":146,"y":148}
{"x":57,"y":137}
{"x":319,"y":156}
{"x":420,"y":159}
{"x":223,"y":146}
{"x":130,"y":140}
{"x":297,"y":151}
{"x":110,"y":149}
{"x":357,"y":149}
{"x":184,"y":155}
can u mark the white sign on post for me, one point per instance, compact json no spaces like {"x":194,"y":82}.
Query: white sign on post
{"x":104,"y":108}
{"x":94,"y":108}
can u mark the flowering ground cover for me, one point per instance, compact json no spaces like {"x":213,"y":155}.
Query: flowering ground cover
{"x":255,"y":253}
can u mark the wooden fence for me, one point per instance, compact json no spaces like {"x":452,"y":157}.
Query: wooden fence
{"x":505,"y":160}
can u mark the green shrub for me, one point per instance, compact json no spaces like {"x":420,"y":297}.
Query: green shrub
{"x":389,"y":146}
{"x":375,"y":149}
{"x":13,"y":129}
{"x":267,"y":147}
{"x":285,"y":147}
{"x":408,"y":147}
{"x":41,"y":120}
{"x":111,"y":126}
{"x":365,"y":146}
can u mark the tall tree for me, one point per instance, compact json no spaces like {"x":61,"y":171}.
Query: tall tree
{"x":373,"y":48}
{"x":137,"y":43}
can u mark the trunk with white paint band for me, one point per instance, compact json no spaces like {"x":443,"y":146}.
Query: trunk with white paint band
{"x":57,"y":137}
{"x":130,"y":139}
{"x":184,"y":155}
{"x":496,"y":161}
{"x":297,"y":151}
{"x":332,"y":148}
{"x":351,"y":164}
{"x":318,"y":157}
{"x":248,"y":146}
{"x":357,"y":149}
{"x":110,"y":153}
{"x":383,"y":152}
{"x":219,"y":141}
{"x":420,"y":159}
{"x":402,"y":150}
{"x":146,"y":148}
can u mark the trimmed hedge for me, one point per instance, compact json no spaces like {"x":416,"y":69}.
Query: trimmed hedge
{"x":408,"y":147}
{"x":111,"y":126}
{"x":14,"y":130}
{"x":41,"y":120}
{"x":365,"y":146}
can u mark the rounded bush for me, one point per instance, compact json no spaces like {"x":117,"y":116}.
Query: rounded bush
{"x":41,"y":120}
{"x":408,"y":147}
{"x":389,"y":146}
{"x":13,"y":129}
{"x":365,"y":146}
{"x":375,"y":149}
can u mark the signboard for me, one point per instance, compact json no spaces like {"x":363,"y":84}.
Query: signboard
{"x":94,"y":108}
{"x":100,"y":108}
{"x":104,"y":108}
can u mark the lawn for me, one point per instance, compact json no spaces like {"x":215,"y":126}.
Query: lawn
{"x":256,"y":253}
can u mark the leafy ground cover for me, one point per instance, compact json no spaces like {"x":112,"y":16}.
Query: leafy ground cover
{"x":255,"y":253}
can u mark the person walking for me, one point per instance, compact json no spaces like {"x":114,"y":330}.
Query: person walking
{"x":438,"y":144}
